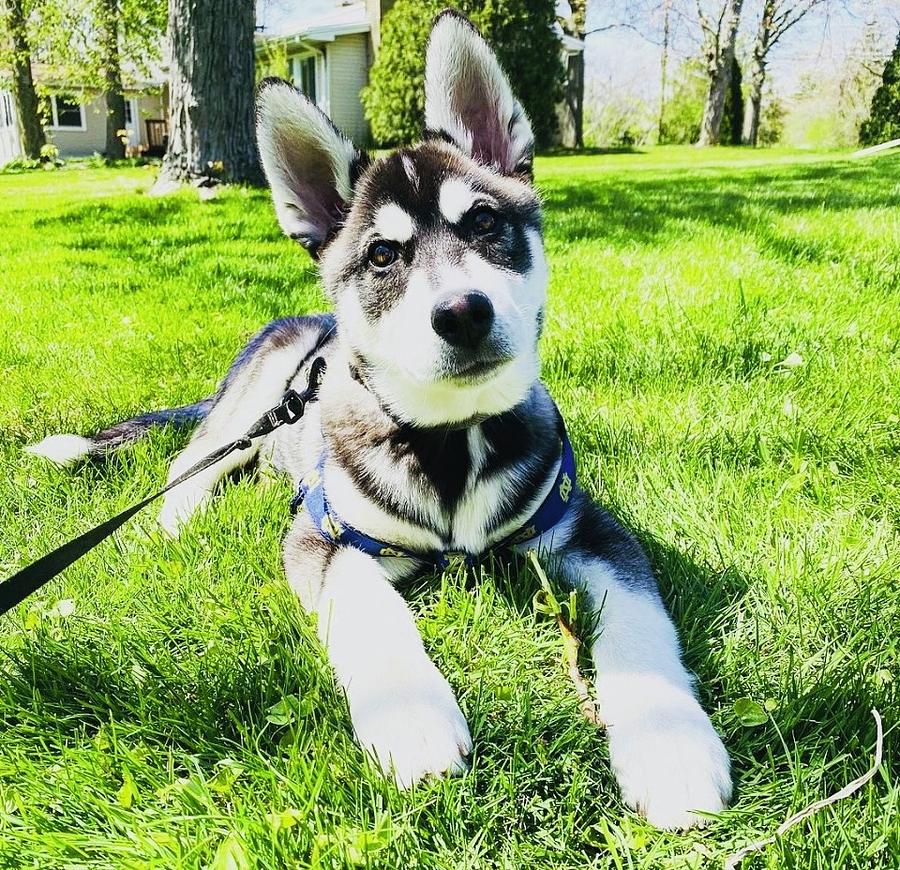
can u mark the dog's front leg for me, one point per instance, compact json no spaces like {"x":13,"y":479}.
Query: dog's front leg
{"x":669,"y":761}
{"x":403,"y":709}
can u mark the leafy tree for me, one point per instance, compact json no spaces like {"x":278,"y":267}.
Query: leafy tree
{"x":16,"y":44}
{"x":88,"y":42}
{"x":883,"y":123}
{"x":522,"y":33}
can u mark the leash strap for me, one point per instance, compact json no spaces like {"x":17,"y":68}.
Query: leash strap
{"x":31,"y":578}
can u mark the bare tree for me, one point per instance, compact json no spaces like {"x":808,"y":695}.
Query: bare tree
{"x":664,"y":69}
{"x":719,"y":36}
{"x":18,"y":51}
{"x":211,"y":93}
{"x":572,"y":122}
{"x":778,"y":16}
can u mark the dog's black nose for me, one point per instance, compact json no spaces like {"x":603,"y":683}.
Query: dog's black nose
{"x":463,"y":320}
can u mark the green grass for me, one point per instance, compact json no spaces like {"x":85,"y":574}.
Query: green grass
{"x":139,"y":730}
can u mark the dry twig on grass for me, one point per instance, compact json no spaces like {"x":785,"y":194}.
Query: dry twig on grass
{"x":735,"y":859}
{"x":571,"y":645}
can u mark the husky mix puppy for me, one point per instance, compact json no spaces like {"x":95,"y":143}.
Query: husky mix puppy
{"x":433,"y":432}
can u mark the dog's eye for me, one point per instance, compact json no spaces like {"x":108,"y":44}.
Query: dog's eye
{"x":484,"y":221}
{"x":381,"y":255}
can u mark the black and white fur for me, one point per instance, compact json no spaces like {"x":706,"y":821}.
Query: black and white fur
{"x":435,"y":443}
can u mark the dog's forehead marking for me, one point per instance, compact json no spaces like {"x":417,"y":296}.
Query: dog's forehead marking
{"x":394,"y":223}
{"x":410,"y":169}
{"x":456,"y":197}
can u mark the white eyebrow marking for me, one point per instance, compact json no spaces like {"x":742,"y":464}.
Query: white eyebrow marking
{"x":455,"y":199}
{"x":393,"y":223}
{"x":410,"y":169}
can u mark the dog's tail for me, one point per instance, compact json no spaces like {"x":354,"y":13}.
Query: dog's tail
{"x":69,"y":449}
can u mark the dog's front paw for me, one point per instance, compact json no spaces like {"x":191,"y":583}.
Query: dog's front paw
{"x":413,"y":730}
{"x":178,"y":507}
{"x":671,"y":766}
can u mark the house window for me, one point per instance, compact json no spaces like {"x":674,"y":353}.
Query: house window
{"x":6,"y":109}
{"x":128,"y":115}
{"x":306,"y":76}
{"x":67,"y":112}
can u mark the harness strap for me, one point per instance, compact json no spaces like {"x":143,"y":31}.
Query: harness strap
{"x":31,"y":578}
{"x":311,"y":495}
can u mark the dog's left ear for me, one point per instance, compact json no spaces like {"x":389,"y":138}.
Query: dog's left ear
{"x":468,"y":98}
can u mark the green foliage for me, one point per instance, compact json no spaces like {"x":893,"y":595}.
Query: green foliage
{"x":65,"y":35}
{"x":771,"y":120}
{"x":684,"y":107}
{"x":883,"y":123}
{"x":614,"y":119}
{"x":272,"y":60}
{"x":522,"y":33}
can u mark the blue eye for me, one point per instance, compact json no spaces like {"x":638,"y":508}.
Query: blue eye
{"x":382,"y":255}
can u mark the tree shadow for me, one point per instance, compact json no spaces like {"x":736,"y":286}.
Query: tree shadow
{"x":628,"y":209}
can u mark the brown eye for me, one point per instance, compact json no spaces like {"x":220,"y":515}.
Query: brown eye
{"x":381,"y":255}
{"x":484,"y":221}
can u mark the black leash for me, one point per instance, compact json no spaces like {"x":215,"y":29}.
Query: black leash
{"x":31,"y":578}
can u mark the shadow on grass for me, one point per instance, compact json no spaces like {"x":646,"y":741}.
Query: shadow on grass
{"x":625,"y":209}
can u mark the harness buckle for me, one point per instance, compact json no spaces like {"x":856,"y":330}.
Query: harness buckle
{"x":455,"y":559}
{"x":291,"y":408}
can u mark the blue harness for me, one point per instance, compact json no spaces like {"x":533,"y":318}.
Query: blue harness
{"x":554,"y":507}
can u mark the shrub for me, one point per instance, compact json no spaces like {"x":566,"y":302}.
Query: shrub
{"x":522,"y":33}
{"x":771,"y":121}
{"x":684,"y":108}
{"x":883,"y":123}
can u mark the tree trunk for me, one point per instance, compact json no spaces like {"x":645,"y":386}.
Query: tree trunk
{"x":753,"y":107}
{"x":31,"y":131}
{"x":572,"y":124}
{"x":750,"y":134}
{"x":663,"y":74}
{"x":211,"y":92}
{"x":720,"y":56}
{"x":112,"y":74}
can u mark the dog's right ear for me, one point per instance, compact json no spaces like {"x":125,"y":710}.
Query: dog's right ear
{"x":311,"y":166}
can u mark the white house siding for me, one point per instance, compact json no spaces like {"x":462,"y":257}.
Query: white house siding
{"x":10,"y":143}
{"x":347,"y":61}
{"x":83,"y":143}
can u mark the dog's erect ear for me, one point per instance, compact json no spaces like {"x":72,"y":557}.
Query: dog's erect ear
{"x":311,"y":166}
{"x":468,"y":98}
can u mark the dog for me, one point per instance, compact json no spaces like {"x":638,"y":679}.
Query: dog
{"x":433,"y":435}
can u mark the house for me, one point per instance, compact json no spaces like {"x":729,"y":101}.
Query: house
{"x":328,"y":48}
{"x":76,"y":117}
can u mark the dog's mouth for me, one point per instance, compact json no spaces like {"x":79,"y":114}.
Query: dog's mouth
{"x":474,"y":370}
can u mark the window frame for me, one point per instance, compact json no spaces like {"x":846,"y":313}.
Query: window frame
{"x":318,"y":57}
{"x":7,"y":113}
{"x":68,"y":128}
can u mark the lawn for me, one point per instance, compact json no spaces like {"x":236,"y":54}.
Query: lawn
{"x":724,"y":341}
